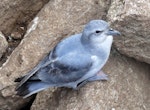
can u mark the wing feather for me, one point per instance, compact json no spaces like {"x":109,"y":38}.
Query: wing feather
{"x":62,"y":66}
{"x":68,"y":68}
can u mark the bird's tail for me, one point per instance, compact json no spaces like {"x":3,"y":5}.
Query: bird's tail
{"x":31,"y":87}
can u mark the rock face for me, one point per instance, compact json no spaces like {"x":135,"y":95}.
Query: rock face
{"x":3,"y":44}
{"x":18,"y":12}
{"x":15,"y":15}
{"x":132,"y":18}
{"x":126,"y":89}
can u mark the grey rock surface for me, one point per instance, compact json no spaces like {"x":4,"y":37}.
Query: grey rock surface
{"x":3,"y":44}
{"x":18,"y":12}
{"x":132,"y":18}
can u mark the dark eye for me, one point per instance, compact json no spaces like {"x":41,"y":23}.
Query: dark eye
{"x":98,"y":31}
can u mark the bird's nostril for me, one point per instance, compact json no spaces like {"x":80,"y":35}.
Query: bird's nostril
{"x":110,"y":29}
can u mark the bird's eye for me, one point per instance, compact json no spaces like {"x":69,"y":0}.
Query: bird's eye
{"x":98,"y":31}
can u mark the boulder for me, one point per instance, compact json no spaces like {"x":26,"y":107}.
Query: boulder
{"x":18,"y":13}
{"x":132,"y":18}
{"x":3,"y":44}
{"x":15,"y":16}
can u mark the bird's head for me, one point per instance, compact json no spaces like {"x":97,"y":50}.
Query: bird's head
{"x":97,"y":31}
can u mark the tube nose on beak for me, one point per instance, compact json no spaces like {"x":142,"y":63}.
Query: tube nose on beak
{"x":113,"y":32}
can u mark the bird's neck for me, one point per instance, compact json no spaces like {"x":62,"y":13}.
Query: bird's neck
{"x":100,"y":49}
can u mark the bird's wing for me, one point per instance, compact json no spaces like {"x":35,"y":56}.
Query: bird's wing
{"x":65,"y":69}
{"x":67,"y":62}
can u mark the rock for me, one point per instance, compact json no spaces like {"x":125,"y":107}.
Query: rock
{"x":56,"y":20}
{"x":15,"y":16}
{"x":126,"y":89}
{"x":132,"y":18}
{"x":3,"y":44}
{"x":18,"y":33}
{"x":16,"y":13}
{"x":9,"y":102}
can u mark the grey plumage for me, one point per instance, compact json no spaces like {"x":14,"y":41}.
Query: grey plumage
{"x":76,"y":59}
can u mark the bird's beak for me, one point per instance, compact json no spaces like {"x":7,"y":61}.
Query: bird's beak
{"x":113,"y":32}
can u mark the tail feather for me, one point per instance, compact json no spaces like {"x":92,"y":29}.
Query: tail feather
{"x":31,"y":87}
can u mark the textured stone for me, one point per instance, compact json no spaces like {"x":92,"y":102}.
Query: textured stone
{"x":18,"y":13}
{"x":132,"y":18}
{"x":3,"y":44}
{"x":126,"y":89}
{"x":56,"y":20}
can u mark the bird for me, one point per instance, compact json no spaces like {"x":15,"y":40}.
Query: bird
{"x":73,"y":62}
